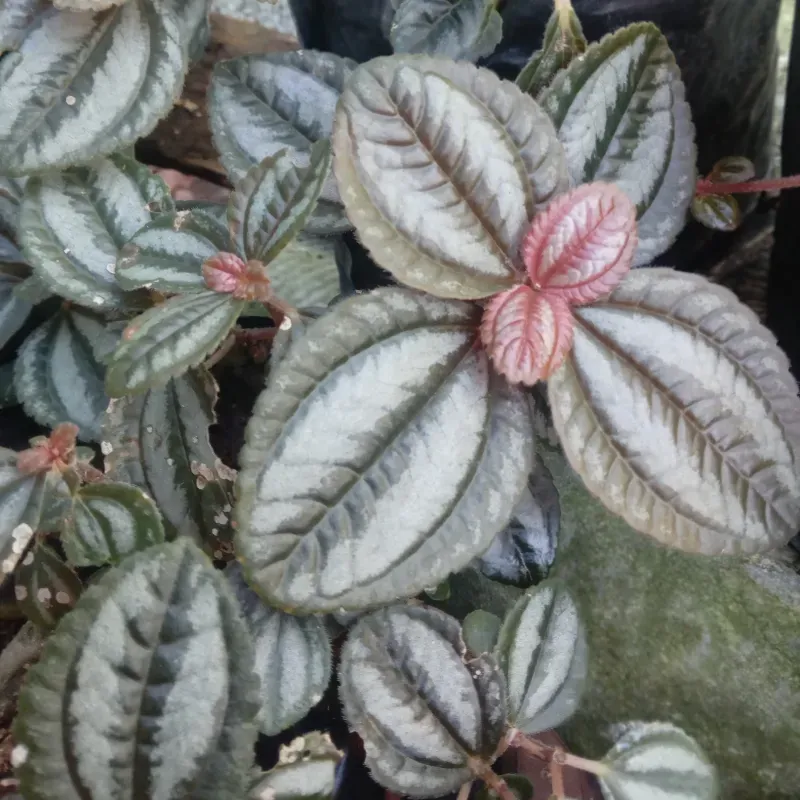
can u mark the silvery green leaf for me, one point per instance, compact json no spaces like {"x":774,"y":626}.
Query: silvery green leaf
{"x":621,"y":115}
{"x":32,"y":290}
{"x":9,"y":252}
{"x":109,"y":521}
{"x":86,"y":5}
{"x":292,"y":658}
{"x":83,"y":85}
{"x":196,"y":26}
{"x":8,"y":395}
{"x":293,"y":326}
{"x":159,"y":441}
{"x":433,"y":422}
{"x":421,"y":708}
{"x":274,"y":200}
{"x":13,"y":309}
{"x":15,"y":16}
{"x":11,"y":192}
{"x":145,"y":689}
{"x":58,"y":374}
{"x":563,"y":41}
{"x":480,"y":629}
{"x":169,"y":339}
{"x":461,"y":30}
{"x":677,"y":409}
{"x":523,"y":553}
{"x":441,"y":167}
{"x":657,"y":760}
{"x":167,"y":254}
{"x":217,"y":211}
{"x":542,"y":651}
{"x":45,"y":588}
{"x":74,"y":223}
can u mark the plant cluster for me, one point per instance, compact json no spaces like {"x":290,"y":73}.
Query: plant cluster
{"x":395,"y":442}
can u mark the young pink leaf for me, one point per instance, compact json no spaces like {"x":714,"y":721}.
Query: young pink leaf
{"x":229,"y":274}
{"x":526,"y":333}
{"x":583,"y":244}
{"x":57,"y":451}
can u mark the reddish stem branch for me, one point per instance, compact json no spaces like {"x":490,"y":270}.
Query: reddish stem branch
{"x":536,"y":749}
{"x":497,"y":785}
{"x":557,"y":774}
{"x":706,"y":187}
{"x":463,"y":792}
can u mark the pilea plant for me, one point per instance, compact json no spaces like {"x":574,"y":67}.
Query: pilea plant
{"x":395,"y":442}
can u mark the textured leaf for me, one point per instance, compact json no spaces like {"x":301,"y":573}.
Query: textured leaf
{"x":678,"y":410}
{"x":74,"y":223}
{"x":583,"y":244}
{"x":13,"y":310}
{"x":292,"y":328}
{"x":59,"y":372}
{"x":436,"y":189}
{"x":15,"y":16}
{"x":145,"y":688}
{"x":621,"y":115}
{"x":542,"y":651}
{"x":526,"y":334}
{"x":274,"y":200}
{"x":292,"y":658}
{"x":420,"y":708}
{"x":217,"y":211}
{"x":11,"y":189}
{"x":524,"y":552}
{"x":480,"y":629}
{"x":83,"y":85}
{"x":8,"y":394}
{"x":109,"y":521}
{"x":260,"y":105}
{"x":86,"y":5}
{"x":457,"y":29}
{"x":167,"y":254}
{"x":563,"y":41}
{"x":720,"y":212}
{"x":657,"y":760}
{"x":169,"y":339}
{"x":159,"y":441}
{"x":229,"y":274}
{"x":320,"y":485}
{"x":45,"y":587}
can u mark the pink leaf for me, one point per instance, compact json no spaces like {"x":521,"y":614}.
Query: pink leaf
{"x":227,"y":273}
{"x":526,"y":333}
{"x":583,"y":244}
{"x":56,"y":451}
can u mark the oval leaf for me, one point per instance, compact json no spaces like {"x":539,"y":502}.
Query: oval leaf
{"x":74,"y":223}
{"x":480,"y":630}
{"x":169,"y":339}
{"x":59,"y":373}
{"x":13,"y":309}
{"x":732,"y":169}
{"x":461,"y":30}
{"x":118,"y":74}
{"x":8,"y":394}
{"x":420,"y":708}
{"x":720,"y":212}
{"x":436,"y":190}
{"x":583,"y":244}
{"x":45,"y":587}
{"x":167,"y":254}
{"x":524,"y":552}
{"x":542,"y":651}
{"x":161,"y":630}
{"x":274,"y":200}
{"x":657,"y":760}
{"x":316,"y":500}
{"x":526,"y":334}
{"x":292,"y":658}
{"x":678,"y":410}
{"x":109,"y":521}
{"x":621,"y":115}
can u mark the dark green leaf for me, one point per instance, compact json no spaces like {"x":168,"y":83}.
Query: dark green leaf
{"x":720,"y":212}
{"x":308,"y":273}
{"x":13,"y":309}
{"x":11,"y":189}
{"x":480,"y":630}
{"x":8,"y":395}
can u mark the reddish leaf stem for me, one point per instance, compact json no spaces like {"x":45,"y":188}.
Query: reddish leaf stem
{"x":705,"y":186}
{"x":463,"y":792}
{"x":557,"y":774}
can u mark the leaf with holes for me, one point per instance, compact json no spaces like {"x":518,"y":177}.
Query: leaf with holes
{"x":274,"y":200}
{"x":524,"y":552}
{"x":161,"y":629}
{"x":461,"y":30}
{"x":678,"y":410}
{"x":542,"y":651}
{"x":260,"y":105}
{"x":74,"y":223}
{"x":432,"y":178}
{"x":583,"y":244}
{"x":45,"y":587}
{"x":13,"y":309}
{"x":526,"y":334}
{"x":563,"y":41}
{"x":167,"y":254}
{"x":422,"y":710}
{"x":292,"y":658}
{"x":169,"y":339}
{"x":433,"y":423}
{"x":108,"y":522}
{"x":657,"y":760}
{"x":59,"y":372}
{"x":621,"y":115}
{"x":118,"y":73}
{"x":480,"y":629}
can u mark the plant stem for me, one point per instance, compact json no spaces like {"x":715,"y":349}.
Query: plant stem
{"x":537,"y":749}
{"x":585,"y":764}
{"x":463,"y":792}
{"x":705,"y":186}
{"x":221,"y":352}
{"x":557,"y":774}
